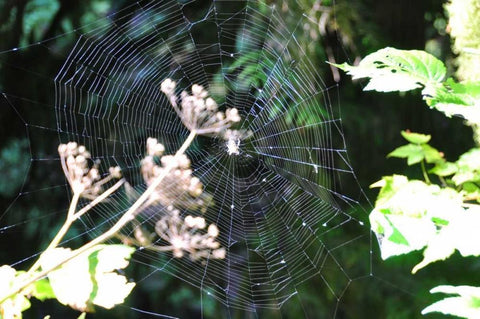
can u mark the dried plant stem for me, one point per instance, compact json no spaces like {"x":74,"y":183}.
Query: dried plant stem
{"x":125,"y":219}
{"x":61,"y":233}
{"x":72,"y":216}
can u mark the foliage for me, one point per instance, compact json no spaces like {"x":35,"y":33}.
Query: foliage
{"x":464,"y":28}
{"x":92,"y":274}
{"x":409,"y":214}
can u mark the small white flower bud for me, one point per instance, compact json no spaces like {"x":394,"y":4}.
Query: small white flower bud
{"x":197,"y":90}
{"x":219,"y":253}
{"x":200,"y":222}
{"x":115,"y":172}
{"x":210,"y":104}
{"x":189,"y":221}
{"x":158,"y":149}
{"x":62,"y":148}
{"x":213,"y":230}
{"x":168,"y":87}
{"x":232,"y":115}
{"x":72,"y":146}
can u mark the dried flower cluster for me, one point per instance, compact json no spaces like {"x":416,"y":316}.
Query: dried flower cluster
{"x":198,"y":111}
{"x":178,"y":188}
{"x":83,"y":178}
{"x":183,"y":236}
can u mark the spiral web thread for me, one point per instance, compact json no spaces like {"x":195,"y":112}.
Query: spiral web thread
{"x":278,"y":204}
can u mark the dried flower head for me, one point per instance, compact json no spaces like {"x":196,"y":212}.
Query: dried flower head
{"x":198,"y":111}
{"x":83,"y":178}
{"x":185,"y":236}
{"x":179,"y":187}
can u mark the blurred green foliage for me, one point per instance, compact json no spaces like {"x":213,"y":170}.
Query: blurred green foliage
{"x":14,"y":164}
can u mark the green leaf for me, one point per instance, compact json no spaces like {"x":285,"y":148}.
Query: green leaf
{"x":444,"y":169}
{"x":396,"y":236}
{"x":92,"y":275}
{"x":413,"y":153}
{"x":390,"y":69}
{"x":462,"y":99}
{"x":460,"y":234}
{"x":43,"y":290}
{"x":468,"y":167}
{"x":432,"y":155}
{"x":406,"y":214}
{"x":416,"y":138}
{"x":466,"y":303}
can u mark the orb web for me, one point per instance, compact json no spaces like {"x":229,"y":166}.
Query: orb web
{"x":278,"y":192}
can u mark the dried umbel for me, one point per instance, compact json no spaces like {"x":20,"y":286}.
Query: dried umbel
{"x":188,"y":236}
{"x":199,"y":112}
{"x":178,"y":187}
{"x":83,"y":178}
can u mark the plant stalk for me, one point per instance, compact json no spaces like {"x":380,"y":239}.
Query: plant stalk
{"x":127,"y":217}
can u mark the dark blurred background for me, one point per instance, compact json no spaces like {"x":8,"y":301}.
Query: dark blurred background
{"x":338,"y":31}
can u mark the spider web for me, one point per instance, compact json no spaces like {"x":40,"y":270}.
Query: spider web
{"x":284,"y":214}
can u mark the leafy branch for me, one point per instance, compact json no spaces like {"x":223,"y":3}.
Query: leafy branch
{"x":438,"y":218}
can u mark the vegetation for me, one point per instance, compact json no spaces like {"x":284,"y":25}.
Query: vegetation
{"x":334,"y":31}
{"x":438,"y":216}
{"x":91,"y":269}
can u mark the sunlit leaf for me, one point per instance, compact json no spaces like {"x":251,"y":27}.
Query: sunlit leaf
{"x":432,"y":155}
{"x":460,"y":234}
{"x":390,"y":69}
{"x":468,"y":167}
{"x":462,"y":99}
{"x":90,"y":278}
{"x":466,"y":303}
{"x":444,"y":169}
{"x":15,"y":305}
{"x":42,"y":290}
{"x":412,"y":152}
{"x":408,"y":214}
{"x":416,"y":138}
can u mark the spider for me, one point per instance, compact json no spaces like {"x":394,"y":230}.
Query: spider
{"x":233,"y":144}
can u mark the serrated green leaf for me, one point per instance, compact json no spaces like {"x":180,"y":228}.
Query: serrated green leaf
{"x":390,"y":69}
{"x":460,"y":234}
{"x":413,"y":209}
{"x":91,"y":274}
{"x":416,"y":138}
{"x":461,"y":99}
{"x":465,"y":305}
{"x":389,"y":186}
